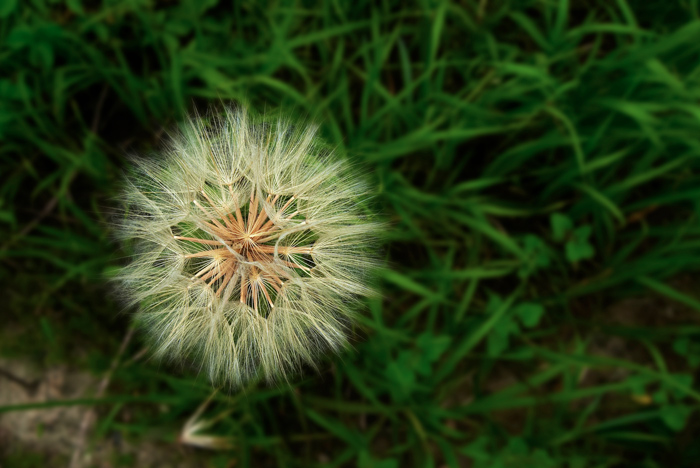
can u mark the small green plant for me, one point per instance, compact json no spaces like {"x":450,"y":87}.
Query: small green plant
{"x":576,"y":240}
{"x":526,"y":314}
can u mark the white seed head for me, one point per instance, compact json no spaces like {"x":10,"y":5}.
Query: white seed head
{"x":251,"y":246}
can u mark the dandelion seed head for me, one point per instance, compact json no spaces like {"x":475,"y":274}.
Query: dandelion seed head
{"x":250,"y":246}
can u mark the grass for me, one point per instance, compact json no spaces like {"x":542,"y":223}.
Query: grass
{"x":539,"y":162}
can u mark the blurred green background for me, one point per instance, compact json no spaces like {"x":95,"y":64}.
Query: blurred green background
{"x":539,"y":162}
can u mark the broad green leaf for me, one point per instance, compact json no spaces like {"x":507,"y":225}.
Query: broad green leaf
{"x":529,"y":313}
{"x":578,"y":248}
{"x":561,"y":226}
{"x":675,"y":416}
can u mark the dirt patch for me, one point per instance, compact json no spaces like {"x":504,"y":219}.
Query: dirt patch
{"x":48,"y":436}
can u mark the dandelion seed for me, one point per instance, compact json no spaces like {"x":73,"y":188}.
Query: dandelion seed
{"x":251,"y":249}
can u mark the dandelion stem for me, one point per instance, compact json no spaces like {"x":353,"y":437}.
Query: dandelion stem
{"x":295,"y":265}
{"x":255,"y":295}
{"x":283,"y":249}
{"x":239,"y":216}
{"x":286,"y":204}
{"x":219,"y":227}
{"x":208,"y":253}
{"x":231,"y":271}
{"x":269,"y":238}
{"x":218,"y":212}
{"x":252,"y":212}
{"x":244,"y":287}
{"x":259,"y":220}
{"x":200,"y":241}
{"x":267,"y":296}
{"x":212,"y":271}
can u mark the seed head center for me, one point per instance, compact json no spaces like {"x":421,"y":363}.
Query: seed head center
{"x":259,"y":262}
